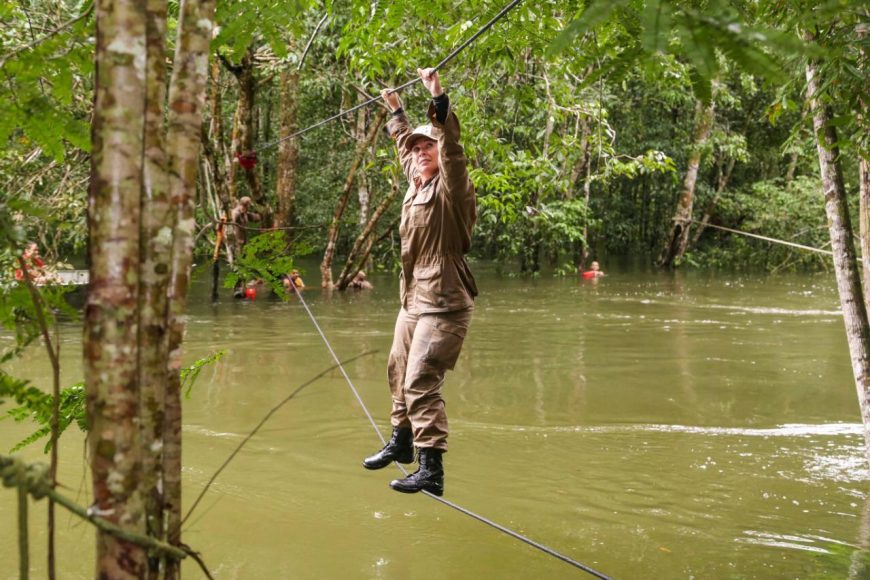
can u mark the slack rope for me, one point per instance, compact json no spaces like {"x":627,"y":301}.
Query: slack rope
{"x":437,"y":67}
{"x":262,"y":422}
{"x":766,"y":239}
{"x":478,"y":517}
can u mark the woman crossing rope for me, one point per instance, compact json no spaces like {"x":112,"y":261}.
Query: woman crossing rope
{"x":437,"y":288}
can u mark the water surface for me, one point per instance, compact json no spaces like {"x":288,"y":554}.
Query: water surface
{"x":649,"y":425}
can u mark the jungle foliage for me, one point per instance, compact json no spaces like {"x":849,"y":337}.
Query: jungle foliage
{"x":577,"y":117}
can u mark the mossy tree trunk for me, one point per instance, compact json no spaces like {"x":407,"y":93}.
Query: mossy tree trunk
{"x":111,"y":314}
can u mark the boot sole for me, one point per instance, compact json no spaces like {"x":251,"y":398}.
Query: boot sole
{"x":376,"y":467}
{"x":434,"y":491}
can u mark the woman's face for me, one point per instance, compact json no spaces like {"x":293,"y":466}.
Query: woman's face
{"x":425,"y":156}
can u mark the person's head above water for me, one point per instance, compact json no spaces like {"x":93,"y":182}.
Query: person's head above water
{"x":595,"y":266}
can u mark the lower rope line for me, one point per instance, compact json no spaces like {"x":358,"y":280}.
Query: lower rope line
{"x":478,"y":517}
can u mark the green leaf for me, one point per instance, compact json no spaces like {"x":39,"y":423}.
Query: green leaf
{"x":656,"y":19}
{"x":594,"y":14}
{"x":702,"y":86}
{"x":698,"y":49}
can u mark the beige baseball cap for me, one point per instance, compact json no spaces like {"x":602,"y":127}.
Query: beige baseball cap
{"x":421,"y":132}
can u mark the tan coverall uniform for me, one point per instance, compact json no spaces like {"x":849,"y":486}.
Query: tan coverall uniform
{"x":437,"y":288}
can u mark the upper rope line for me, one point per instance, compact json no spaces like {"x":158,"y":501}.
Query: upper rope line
{"x":437,"y":67}
{"x":767,"y":239}
{"x":478,"y":517}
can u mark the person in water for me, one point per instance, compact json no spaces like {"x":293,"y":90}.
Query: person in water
{"x":436,"y":287}
{"x":360,"y":282}
{"x":293,"y":278}
{"x":594,"y":271}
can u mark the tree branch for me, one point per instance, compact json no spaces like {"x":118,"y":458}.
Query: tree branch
{"x":36,"y":42}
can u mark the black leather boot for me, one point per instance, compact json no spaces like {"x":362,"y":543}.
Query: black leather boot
{"x":430,"y":476}
{"x":399,"y":448}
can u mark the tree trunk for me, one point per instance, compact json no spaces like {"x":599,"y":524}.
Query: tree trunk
{"x":840,"y":228}
{"x":155,"y":254}
{"x":332,"y":235}
{"x":111,"y":312}
{"x":288,"y":152}
{"x":362,"y":190}
{"x":348,"y":272}
{"x":186,"y":101}
{"x":215,"y":146}
{"x":243,"y":127}
{"x":678,"y":236}
{"x":864,"y":219}
{"x":721,"y":184}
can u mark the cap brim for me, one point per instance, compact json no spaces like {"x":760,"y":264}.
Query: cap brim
{"x":414,"y":138}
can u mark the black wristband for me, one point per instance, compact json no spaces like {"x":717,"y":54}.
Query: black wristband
{"x":398,"y":111}
{"x":442,"y":106}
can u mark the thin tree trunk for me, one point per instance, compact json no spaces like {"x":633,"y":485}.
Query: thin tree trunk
{"x":362,"y":190}
{"x":721,"y":184}
{"x":54,"y":356}
{"x":348,"y":272}
{"x":111,"y":313}
{"x":332,"y":235}
{"x":864,"y":221}
{"x":155,"y":256}
{"x":678,"y":236}
{"x":845,"y":262}
{"x":243,"y":126}
{"x":186,"y":102}
{"x":288,"y":152}
{"x":53,"y":349}
{"x":791,"y":169}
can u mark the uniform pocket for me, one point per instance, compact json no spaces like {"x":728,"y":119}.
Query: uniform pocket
{"x":421,"y":208}
{"x":447,"y":335}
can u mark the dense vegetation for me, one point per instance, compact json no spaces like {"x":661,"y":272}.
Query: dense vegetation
{"x":576,"y":145}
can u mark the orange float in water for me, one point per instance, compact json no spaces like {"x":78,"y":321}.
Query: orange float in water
{"x":250,"y":293}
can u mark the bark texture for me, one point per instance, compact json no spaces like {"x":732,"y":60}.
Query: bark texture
{"x":111,"y":312}
{"x":845,"y":262}
{"x":186,"y":102}
{"x":156,"y":258}
{"x":864,"y":217}
{"x":678,"y":237}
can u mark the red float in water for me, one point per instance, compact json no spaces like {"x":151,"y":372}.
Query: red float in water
{"x":250,"y":293}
